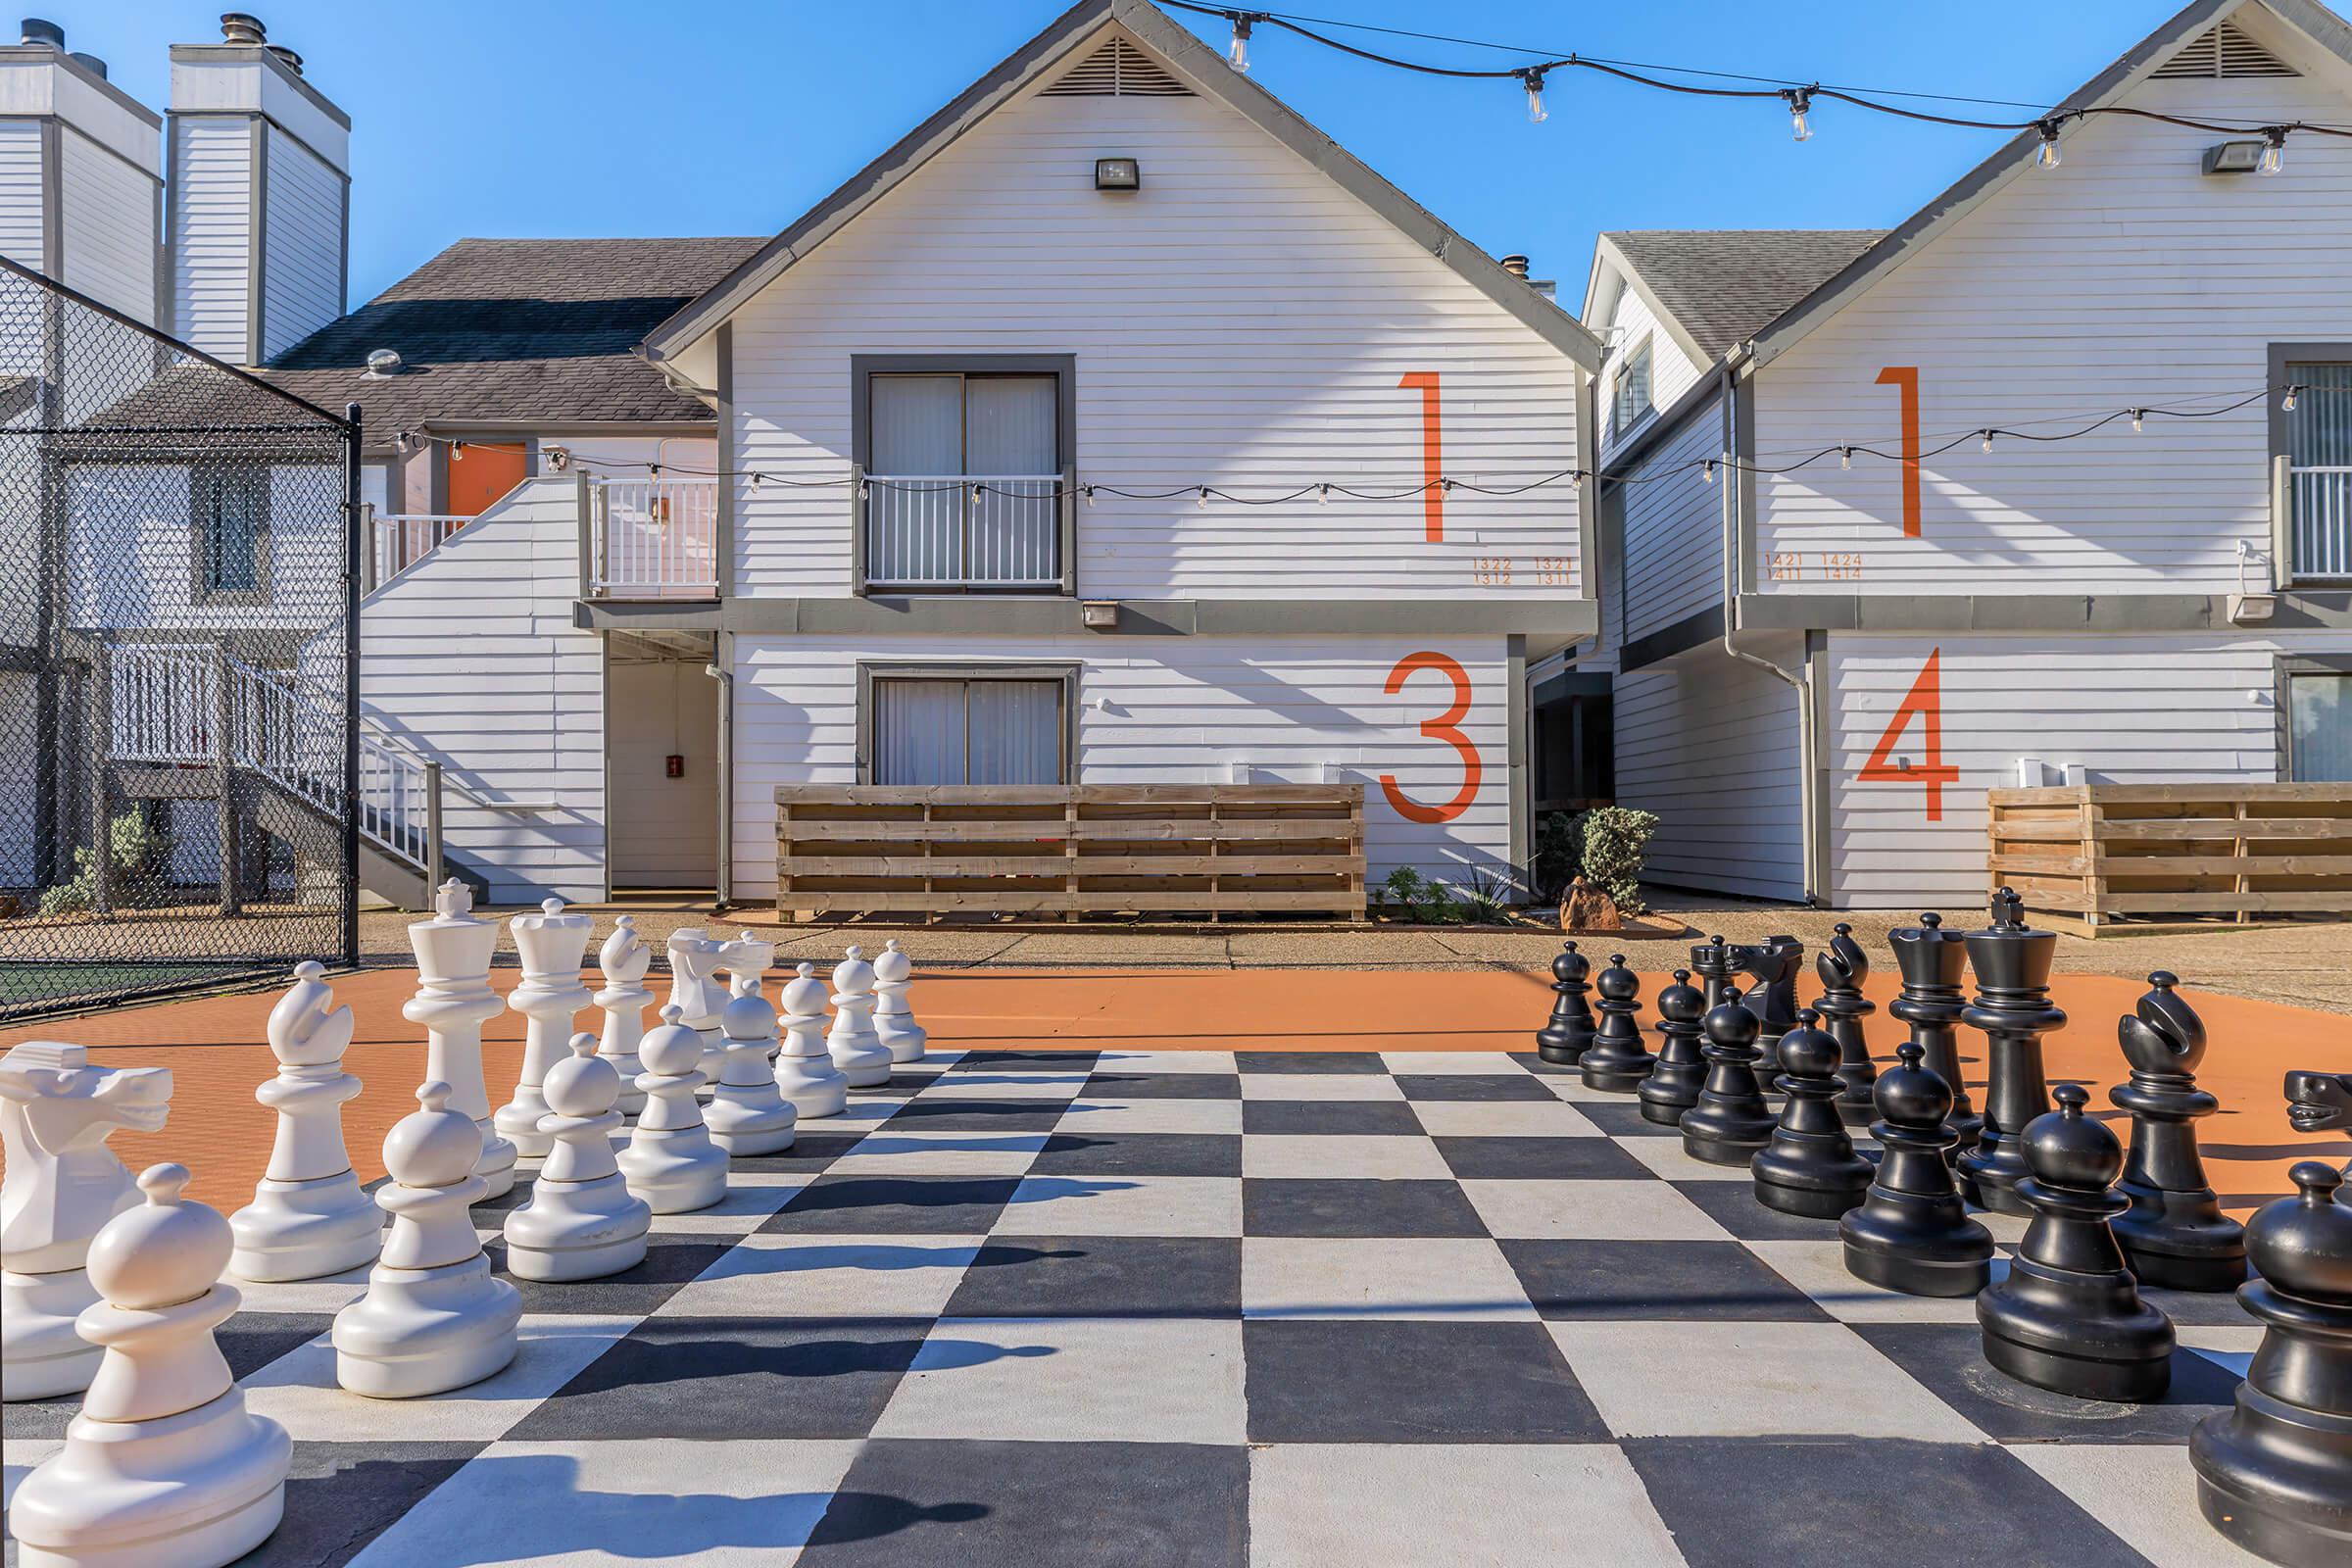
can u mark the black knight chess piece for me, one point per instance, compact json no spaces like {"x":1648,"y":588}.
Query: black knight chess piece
{"x":1673,"y":1085}
{"x":1843,"y":967}
{"x":1772,"y":964}
{"x":2275,"y":1472}
{"x":1809,"y":1167}
{"x":1569,"y":1032}
{"x":2012,"y":1005}
{"x":2174,"y":1234}
{"x":1932,"y":960}
{"x":1730,"y":1120}
{"x":2069,"y":1317}
{"x":1617,"y":1060}
{"x":1714,"y":964}
{"x":2322,"y":1103}
{"x":1912,"y":1234}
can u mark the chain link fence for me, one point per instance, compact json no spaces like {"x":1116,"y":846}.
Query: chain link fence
{"x":177,"y":692}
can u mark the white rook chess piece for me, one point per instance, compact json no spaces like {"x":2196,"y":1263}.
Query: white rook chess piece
{"x":804,"y":1070}
{"x":433,"y":1318}
{"x":670,"y":1161}
{"x":894,"y":1019}
{"x":582,"y":1222}
{"x":452,"y":1002}
{"x":551,"y":995}
{"x":164,"y":1465}
{"x":856,"y":1049}
{"x":748,"y":1114}
{"x":309,"y":1217}
{"x":623,"y":958}
{"x":57,"y":1111}
{"x":748,"y":957}
{"x":695,"y":991}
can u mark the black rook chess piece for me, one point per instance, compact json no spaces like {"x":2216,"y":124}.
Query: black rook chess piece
{"x":2013,"y":1008}
{"x":1713,"y":962}
{"x":1932,"y":960}
{"x":1772,"y":964}
{"x":2322,"y":1103}
{"x":2069,"y":1317}
{"x":1673,"y":1085}
{"x":1617,"y":1060}
{"x":2275,"y":1472}
{"x":1911,"y":1233}
{"x":1843,"y":967}
{"x":1570,"y":1030}
{"x":2174,"y":1234}
{"x":1730,"y":1120}
{"x":1809,"y":1167}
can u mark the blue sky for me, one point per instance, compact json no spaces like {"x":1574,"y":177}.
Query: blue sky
{"x":523,"y":117}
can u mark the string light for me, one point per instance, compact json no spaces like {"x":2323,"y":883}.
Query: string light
{"x":1845,"y":457}
{"x":1989,"y":440}
{"x":1088,"y":491}
{"x":2287,"y":405}
{"x":2274,"y":151}
{"x":1706,"y":469}
{"x":1238,"y":51}
{"x":1202,"y":502}
{"x":1323,"y":495}
{"x":1532,"y":80}
{"x":2046,"y":157}
{"x":456,"y":452}
{"x":1799,"y":100}
{"x":2137,"y":415}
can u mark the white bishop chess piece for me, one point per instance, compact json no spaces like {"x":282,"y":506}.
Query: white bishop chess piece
{"x":670,"y":1161}
{"x":623,"y":959}
{"x":551,"y":995}
{"x":856,"y":1049}
{"x":452,"y":1002}
{"x":748,"y":1114}
{"x":695,"y":991}
{"x":57,"y":1111}
{"x":309,"y":1217}
{"x":894,"y":1019}
{"x":749,"y":958}
{"x":582,"y":1222}
{"x":804,"y":1070}
{"x":164,"y":1468}
{"x":433,"y":1318}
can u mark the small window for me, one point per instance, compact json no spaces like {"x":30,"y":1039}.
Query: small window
{"x":1630,"y":391}
{"x":2318,"y":470}
{"x":2318,"y":726}
{"x":231,"y":525}
{"x":969,"y":730}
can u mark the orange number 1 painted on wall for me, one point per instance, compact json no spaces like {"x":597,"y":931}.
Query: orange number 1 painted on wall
{"x":1439,"y":728}
{"x":1924,"y":701}
{"x":1432,"y":458}
{"x":1905,"y":378}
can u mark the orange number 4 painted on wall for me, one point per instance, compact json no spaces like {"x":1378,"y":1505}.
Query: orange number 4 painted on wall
{"x":1905,"y":378}
{"x":1439,"y":728}
{"x":1924,"y":701}
{"x":1433,"y":458}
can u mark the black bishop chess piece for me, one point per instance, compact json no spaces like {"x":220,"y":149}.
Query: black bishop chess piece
{"x":1730,"y":1120}
{"x":1617,"y":1060}
{"x":2174,"y":1234}
{"x":1673,"y":1085}
{"x":1912,"y":1234}
{"x":2275,"y":1471}
{"x":1843,"y":967}
{"x":1772,"y":964}
{"x":1713,"y":962}
{"x":1932,"y":960}
{"x":2322,"y":1103}
{"x":1568,"y":1032}
{"x":2069,"y":1317}
{"x":2012,"y":1005}
{"x":1809,"y":1167}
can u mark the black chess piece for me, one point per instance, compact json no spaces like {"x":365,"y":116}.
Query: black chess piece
{"x":2012,"y":961}
{"x":1730,"y":1120}
{"x":1772,"y":964}
{"x":1932,"y":960}
{"x":2069,"y":1317}
{"x":1843,"y":967}
{"x":2322,"y":1103}
{"x":2275,"y":1471}
{"x":1570,"y":1030}
{"x":1809,"y":1167}
{"x":2174,"y":1234}
{"x":1673,"y":1085}
{"x":1712,"y":961}
{"x":1617,"y":1060}
{"x":1912,"y":1234}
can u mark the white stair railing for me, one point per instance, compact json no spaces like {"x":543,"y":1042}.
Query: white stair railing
{"x":401,"y":540}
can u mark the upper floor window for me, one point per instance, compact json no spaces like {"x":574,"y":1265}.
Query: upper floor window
{"x":963,"y":470}
{"x":1629,"y":392}
{"x":229,"y":514}
{"x":2317,"y":436}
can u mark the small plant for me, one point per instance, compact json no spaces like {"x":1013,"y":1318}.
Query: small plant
{"x":1482,"y":900}
{"x":135,"y":844}
{"x":1557,"y":855}
{"x":1416,"y":898}
{"x":1614,"y":840}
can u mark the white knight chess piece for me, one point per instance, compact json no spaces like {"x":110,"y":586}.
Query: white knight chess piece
{"x":695,"y":991}
{"x":856,"y":1049}
{"x":748,"y":1114}
{"x":670,"y":1161}
{"x":894,"y":1018}
{"x":309,"y":1217}
{"x":452,"y":1002}
{"x":582,"y":1222}
{"x":551,"y":995}
{"x":804,"y":1070}
{"x":623,"y":959}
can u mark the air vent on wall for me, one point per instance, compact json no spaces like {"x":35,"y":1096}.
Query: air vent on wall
{"x":1117,"y":69}
{"x":2225,"y":51}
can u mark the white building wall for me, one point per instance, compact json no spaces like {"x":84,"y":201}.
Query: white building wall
{"x":20,"y":227}
{"x":1710,"y":745}
{"x":211,"y":198}
{"x":106,"y":212}
{"x":1673,"y":537}
{"x":1671,"y":372}
{"x":303,"y":250}
{"x":133,"y":550}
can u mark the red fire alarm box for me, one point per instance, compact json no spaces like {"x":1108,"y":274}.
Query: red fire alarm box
{"x":673,"y":766}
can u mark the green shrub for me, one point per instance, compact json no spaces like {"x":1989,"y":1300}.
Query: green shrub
{"x":135,"y":844}
{"x":1483,"y":899}
{"x":1557,"y":855}
{"x":1614,"y":841}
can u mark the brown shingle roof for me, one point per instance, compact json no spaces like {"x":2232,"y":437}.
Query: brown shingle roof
{"x":1725,"y":286}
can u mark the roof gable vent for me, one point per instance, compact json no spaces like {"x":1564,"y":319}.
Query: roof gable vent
{"x":2224,"y":51}
{"x":1117,"y":69}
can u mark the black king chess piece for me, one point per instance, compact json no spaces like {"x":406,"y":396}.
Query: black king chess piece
{"x":1772,"y":964}
{"x":1912,"y":1233}
{"x":2275,"y":1472}
{"x":1730,"y":1120}
{"x":2069,"y":1317}
{"x":1843,"y":967}
{"x":1570,"y":1030}
{"x":2012,"y":961}
{"x":1617,"y":1059}
{"x":2322,"y":1103}
{"x":1932,"y":960}
{"x":1809,"y":1167}
{"x":2174,"y":1234}
{"x":1712,"y":960}
{"x":1673,"y":1085}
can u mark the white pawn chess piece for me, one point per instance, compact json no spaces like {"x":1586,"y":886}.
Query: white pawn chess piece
{"x":804,"y":1070}
{"x":309,"y":1217}
{"x":695,"y":991}
{"x":433,"y":1318}
{"x":670,"y":1161}
{"x":582,"y":1222}
{"x":164,"y":1465}
{"x":856,"y":1049}
{"x":551,"y":995}
{"x":452,"y":1002}
{"x":748,"y":957}
{"x":894,"y":1019}
{"x":748,"y":1114}
{"x":623,"y":959}
{"x":57,"y":1111}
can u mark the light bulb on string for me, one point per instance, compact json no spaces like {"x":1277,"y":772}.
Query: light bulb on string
{"x":2137,"y":415}
{"x":1845,"y":457}
{"x":1088,"y":491}
{"x":1989,"y":440}
{"x":1323,"y":495}
{"x":2287,"y":405}
{"x":1800,"y":103}
{"x":456,"y":452}
{"x":2274,"y":152}
{"x":1237,"y":53}
{"x":1202,"y":502}
{"x":978,"y":491}
{"x":1532,"y":80}
{"x":1706,"y":470}
{"x":2047,"y":157}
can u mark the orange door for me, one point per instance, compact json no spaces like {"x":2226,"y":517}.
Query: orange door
{"x":480,"y":475}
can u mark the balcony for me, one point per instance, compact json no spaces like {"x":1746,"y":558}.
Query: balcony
{"x":968,"y":532}
{"x":397,"y":541}
{"x":650,"y":538}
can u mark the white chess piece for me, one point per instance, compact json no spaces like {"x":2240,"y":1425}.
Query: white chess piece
{"x":582,"y":1222}
{"x":164,"y":1465}
{"x":804,"y":1070}
{"x":894,"y":1019}
{"x":670,"y":1161}
{"x":856,"y":1049}
{"x":748,"y":1114}
{"x":452,"y":1002}
{"x":57,"y":1111}
{"x":748,"y":957}
{"x":433,"y":1318}
{"x":695,"y":991}
{"x":309,"y":1217}
{"x":623,"y":959}
{"x":551,"y":995}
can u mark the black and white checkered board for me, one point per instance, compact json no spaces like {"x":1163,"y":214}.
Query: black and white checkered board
{"x":1204,"y":1307}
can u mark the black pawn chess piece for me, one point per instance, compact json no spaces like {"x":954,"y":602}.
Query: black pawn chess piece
{"x":1912,"y":1234}
{"x":1772,"y":964}
{"x":1617,"y":1061}
{"x":2069,"y":1317}
{"x":2174,"y":1234}
{"x":1730,"y":1120}
{"x":2012,"y":961}
{"x":1932,"y":960}
{"x":1712,"y":961}
{"x":1673,"y":1085}
{"x":2275,"y":1472}
{"x":1568,"y":1032}
{"x":2322,"y":1103}
{"x":1809,"y":1167}
{"x":1843,"y":967}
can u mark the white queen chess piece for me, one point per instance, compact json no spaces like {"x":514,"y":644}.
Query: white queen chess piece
{"x":433,"y":1318}
{"x":670,"y":1161}
{"x":164,"y":1465}
{"x":804,"y":1070}
{"x":623,"y":959}
{"x":856,"y":1049}
{"x":551,"y":995}
{"x":452,"y":1002}
{"x":57,"y":1111}
{"x":894,"y":1019}
{"x":748,"y":1114}
{"x":748,"y":957}
{"x":582,"y":1222}
{"x":695,"y":991}
{"x":309,"y":1217}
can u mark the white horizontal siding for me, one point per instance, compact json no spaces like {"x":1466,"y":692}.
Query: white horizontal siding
{"x":1670,"y":371}
{"x":1710,"y":745}
{"x":211,"y":201}
{"x":21,"y":225}
{"x":1673,"y":537}
{"x":302,"y":257}
{"x":108,"y":213}
{"x":133,"y":550}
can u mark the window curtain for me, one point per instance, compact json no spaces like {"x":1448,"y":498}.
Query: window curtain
{"x":1010,"y":429}
{"x":917,"y":424}
{"x":2318,"y":458}
{"x":919,"y":732}
{"x":967,"y":731}
{"x":1015,"y":731}
{"x":2320,"y":710}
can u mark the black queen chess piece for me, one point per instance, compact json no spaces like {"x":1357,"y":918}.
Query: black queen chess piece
{"x":1809,"y":1167}
{"x":2068,"y":1317}
{"x":1912,"y":1234}
{"x":2275,"y":1471}
{"x":2012,"y":1005}
{"x":1569,"y":1032}
{"x":1932,"y":961}
{"x":1730,"y":1120}
{"x":1673,"y":1085}
{"x":2174,"y":1234}
{"x":1843,"y":967}
{"x":1617,"y":1060}
{"x":1772,"y":964}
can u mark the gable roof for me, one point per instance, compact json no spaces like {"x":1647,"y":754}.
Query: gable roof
{"x":1720,"y":287}
{"x":1197,"y":67}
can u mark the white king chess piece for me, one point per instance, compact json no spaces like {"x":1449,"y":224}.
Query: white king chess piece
{"x":309,"y":1217}
{"x":748,"y":1114}
{"x":582,"y":1222}
{"x":748,"y":957}
{"x":452,"y":1002}
{"x":856,"y":1049}
{"x":57,"y":1111}
{"x":804,"y":1070}
{"x":164,"y":1465}
{"x":695,"y":991}
{"x":894,"y":1019}
{"x":623,"y":959}
{"x":670,"y":1161}
{"x":551,"y":995}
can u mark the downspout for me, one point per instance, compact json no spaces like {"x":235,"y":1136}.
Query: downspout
{"x":721,"y":669}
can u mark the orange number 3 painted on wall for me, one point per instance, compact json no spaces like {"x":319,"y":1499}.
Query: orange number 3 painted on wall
{"x":1924,"y":702}
{"x":1439,"y":728}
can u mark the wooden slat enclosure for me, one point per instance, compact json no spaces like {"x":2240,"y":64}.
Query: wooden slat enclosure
{"x":2093,"y":857}
{"x":1070,"y":850}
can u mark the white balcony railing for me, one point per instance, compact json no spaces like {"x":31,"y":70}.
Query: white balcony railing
{"x":161,"y":702}
{"x":652,"y":538}
{"x":973,"y":530}
{"x":400,"y":540}
{"x":2319,"y":503}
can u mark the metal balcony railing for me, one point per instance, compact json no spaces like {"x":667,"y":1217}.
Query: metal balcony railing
{"x":651,"y":538}
{"x":967,"y":531}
